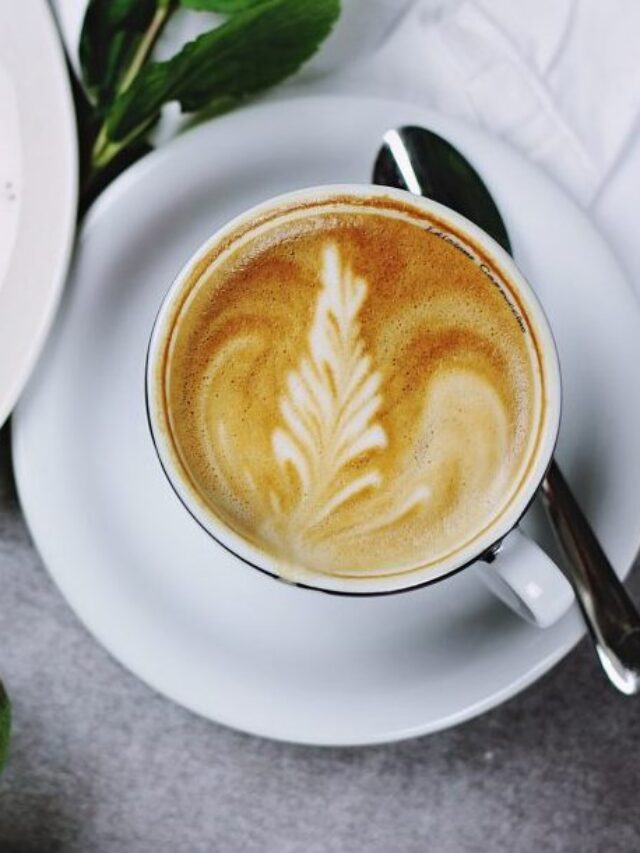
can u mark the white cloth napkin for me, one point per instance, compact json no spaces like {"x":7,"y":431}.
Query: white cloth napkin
{"x":557,"y":79}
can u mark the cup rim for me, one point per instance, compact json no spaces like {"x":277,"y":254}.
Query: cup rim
{"x":413,"y":578}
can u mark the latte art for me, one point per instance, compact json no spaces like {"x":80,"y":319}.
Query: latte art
{"x":329,"y":421}
{"x":351,"y":392}
{"x":330,"y":406}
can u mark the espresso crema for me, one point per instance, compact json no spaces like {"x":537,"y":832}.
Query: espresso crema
{"x":351,"y":387}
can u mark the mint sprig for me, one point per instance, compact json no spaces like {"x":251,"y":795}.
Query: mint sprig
{"x":111,"y":35}
{"x":260,"y":43}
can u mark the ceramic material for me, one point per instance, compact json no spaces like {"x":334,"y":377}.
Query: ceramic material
{"x":38,"y":187}
{"x":520,"y":572}
{"x":195,"y":624}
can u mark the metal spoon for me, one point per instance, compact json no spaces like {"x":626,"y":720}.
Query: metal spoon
{"x":420,"y":161}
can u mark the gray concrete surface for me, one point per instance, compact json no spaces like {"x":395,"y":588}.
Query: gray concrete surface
{"x":102,"y":764}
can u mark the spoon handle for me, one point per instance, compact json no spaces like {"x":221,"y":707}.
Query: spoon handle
{"x":610,"y":614}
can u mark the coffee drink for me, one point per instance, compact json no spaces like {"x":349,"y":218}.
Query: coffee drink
{"x":351,"y":387}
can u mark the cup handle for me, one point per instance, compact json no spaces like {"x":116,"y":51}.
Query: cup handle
{"x":525,"y":579}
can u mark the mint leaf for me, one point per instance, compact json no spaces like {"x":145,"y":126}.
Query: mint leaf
{"x":228,"y":7}
{"x":251,"y":51}
{"x":111,"y":33}
{"x":5,"y":726}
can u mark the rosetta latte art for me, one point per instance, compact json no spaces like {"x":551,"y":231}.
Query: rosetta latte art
{"x":329,"y":420}
{"x":344,"y":405}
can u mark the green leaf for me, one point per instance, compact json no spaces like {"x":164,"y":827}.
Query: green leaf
{"x":5,"y":726}
{"x":251,"y":51}
{"x":111,"y":33}
{"x":228,"y":7}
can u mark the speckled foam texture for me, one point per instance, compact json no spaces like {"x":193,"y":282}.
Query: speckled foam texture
{"x":100,"y":764}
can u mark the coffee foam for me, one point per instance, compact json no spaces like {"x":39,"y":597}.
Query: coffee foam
{"x":350,"y":391}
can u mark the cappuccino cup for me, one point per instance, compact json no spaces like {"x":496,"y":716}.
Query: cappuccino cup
{"x":354,"y":390}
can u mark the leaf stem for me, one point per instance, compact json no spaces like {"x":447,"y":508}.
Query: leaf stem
{"x":160,"y":18}
{"x":104,"y":150}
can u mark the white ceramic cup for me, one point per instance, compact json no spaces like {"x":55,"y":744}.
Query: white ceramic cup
{"x":509,"y":562}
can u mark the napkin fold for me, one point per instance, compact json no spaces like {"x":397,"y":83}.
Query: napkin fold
{"x":557,"y":79}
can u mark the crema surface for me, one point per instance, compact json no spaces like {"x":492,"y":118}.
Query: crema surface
{"x":351,"y":389}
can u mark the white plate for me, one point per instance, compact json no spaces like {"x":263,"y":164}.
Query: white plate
{"x":209,"y":632}
{"x":38,"y":187}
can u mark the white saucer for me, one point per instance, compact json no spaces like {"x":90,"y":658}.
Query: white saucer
{"x":178,"y":611}
{"x":38,"y":187}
